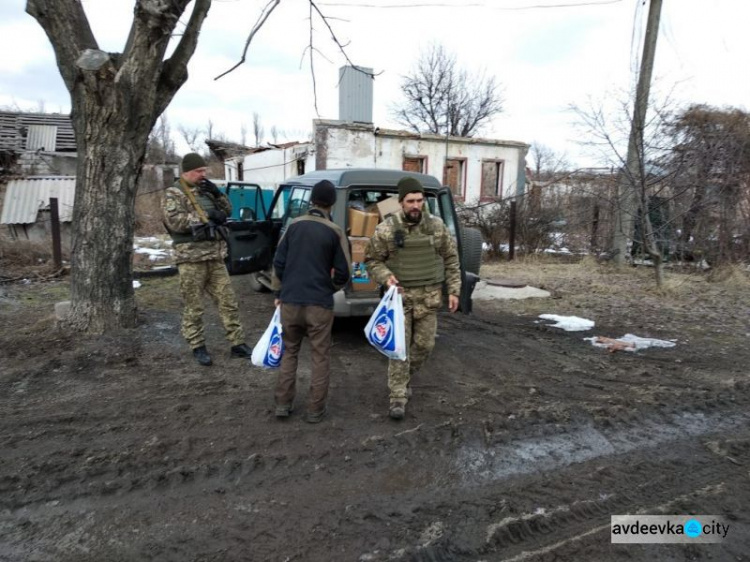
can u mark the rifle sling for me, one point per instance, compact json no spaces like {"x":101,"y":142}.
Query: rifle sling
{"x":189,"y":194}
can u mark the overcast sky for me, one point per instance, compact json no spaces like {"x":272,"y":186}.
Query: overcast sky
{"x":546,"y":55}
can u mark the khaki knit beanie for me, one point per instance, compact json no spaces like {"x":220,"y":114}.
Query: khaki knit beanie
{"x":192,"y":161}
{"x":408,"y":185}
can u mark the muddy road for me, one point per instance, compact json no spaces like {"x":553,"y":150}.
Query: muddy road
{"x":519,"y":443}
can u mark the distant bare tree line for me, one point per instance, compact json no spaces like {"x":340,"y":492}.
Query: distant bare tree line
{"x":693,"y":194}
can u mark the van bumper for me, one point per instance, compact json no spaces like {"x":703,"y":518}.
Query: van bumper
{"x":355,"y":304}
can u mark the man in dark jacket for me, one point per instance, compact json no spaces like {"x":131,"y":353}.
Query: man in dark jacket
{"x":311,"y":263}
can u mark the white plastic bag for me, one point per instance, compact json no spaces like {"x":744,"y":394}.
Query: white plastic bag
{"x":385,"y":330}
{"x":269,"y":349}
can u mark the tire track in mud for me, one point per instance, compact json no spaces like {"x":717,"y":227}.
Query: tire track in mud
{"x":682,"y":478}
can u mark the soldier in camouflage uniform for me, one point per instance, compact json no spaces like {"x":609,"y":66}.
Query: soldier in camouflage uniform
{"x":193,"y":207}
{"x":414,"y":250}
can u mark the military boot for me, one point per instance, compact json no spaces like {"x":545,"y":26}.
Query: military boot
{"x":242,"y":350}
{"x":397,"y":411}
{"x":201,"y":355}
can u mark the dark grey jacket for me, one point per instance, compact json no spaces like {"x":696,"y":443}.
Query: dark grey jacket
{"x":312,"y":261}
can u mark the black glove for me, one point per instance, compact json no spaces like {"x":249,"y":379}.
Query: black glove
{"x":211,"y":188}
{"x":216,"y":216}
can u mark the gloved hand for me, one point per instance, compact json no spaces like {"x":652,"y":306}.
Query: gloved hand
{"x":216,"y":216}
{"x":211,"y":188}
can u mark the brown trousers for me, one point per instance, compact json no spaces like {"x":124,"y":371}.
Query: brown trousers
{"x":316,"y":323}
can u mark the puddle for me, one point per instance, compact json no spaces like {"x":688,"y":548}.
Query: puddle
{"x":543,"y":454}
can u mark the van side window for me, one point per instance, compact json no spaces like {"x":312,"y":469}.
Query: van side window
{"x":299,"y":203}
{"x":446,"y":213}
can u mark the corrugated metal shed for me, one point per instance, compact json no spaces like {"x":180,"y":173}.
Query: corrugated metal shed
{"x":41,"y":137}
{"x":14,"y":130}
{"x":25,"y":197}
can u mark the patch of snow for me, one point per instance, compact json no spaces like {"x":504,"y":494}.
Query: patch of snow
{"x":153,"y":254}
{"x":136,"y":284}
{"x":568,"y":323}
{"x":483,"y":291}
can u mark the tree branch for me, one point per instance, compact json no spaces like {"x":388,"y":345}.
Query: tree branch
{"x":267,"y":10}
{"x":174,"y":71}
{"x":68,"y":30}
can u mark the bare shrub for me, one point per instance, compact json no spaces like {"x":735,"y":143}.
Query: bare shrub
{"x":26,"y":257}
{"x":148,"y":202}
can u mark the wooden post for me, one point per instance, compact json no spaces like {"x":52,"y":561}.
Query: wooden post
{"x":512,"y":238}
{"x":594,"y":228}
{"x":56,"y":246}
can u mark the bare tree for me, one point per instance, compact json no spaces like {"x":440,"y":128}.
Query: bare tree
{"x":610,"y":132}
{"x":192,"y":137}
{"x":243,"y":133}
{"x":442,"y":98}
{"x":258,"y":131}
{"x":161,"y":148}
{"x":275,"y":134}
{"x":710,"y":166}
{"x":545,"y":162}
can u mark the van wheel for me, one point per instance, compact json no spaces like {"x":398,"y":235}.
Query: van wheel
{"x":471,"y":251}
{"x":255,"y":283}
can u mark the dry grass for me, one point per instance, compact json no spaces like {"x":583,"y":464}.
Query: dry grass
{"x":691,"y":302}
{"x":26,"y":258}
{"x":730,"y":276}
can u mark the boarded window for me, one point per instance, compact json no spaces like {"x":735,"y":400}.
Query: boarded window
{"x":453,"y":176}
{"x":413,"y":164}
{"x":492,"y":179}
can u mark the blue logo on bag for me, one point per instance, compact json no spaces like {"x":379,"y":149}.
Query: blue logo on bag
{"x":275,"y":350}
{"x":382,"y":331}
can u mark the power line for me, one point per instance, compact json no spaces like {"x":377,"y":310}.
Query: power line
{"x":467,"y":5}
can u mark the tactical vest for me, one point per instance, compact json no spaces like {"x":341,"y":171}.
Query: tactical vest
{"x":206,"y":204}
{"x":418,"y":262}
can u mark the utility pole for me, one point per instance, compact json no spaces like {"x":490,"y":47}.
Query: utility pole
{"x":632,"y":175}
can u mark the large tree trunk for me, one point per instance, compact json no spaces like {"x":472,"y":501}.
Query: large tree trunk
{"x":111,"y":152}
{"x":116,"y":100}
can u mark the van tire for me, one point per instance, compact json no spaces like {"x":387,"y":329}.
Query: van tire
{"x":255,"y":283}
{"x":471,"y":250}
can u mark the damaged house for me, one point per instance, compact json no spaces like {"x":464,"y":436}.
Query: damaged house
{"x":476,"y":169}
{"x":37,"y":162}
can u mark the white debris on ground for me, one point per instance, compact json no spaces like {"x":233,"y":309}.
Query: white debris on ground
{"x":568,"y":323}
{"x":153,"y":254}
{"x":156,"y":248}
{"x":136,"y":284}
{"x":483,"y":291}
{"x":628,"y":342}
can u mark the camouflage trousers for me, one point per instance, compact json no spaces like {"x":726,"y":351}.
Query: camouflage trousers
{"x":420,"y":326}
{"x":211,"y":277}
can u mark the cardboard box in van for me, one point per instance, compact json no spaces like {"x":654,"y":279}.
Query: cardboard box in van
{"x":360,"y":278}
{"x":388,"y":206}
{"x":362,"y":223}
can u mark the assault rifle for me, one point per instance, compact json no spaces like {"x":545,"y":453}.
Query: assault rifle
{"x":208,"y":231}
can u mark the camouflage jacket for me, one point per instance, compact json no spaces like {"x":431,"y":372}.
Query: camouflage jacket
{"x":383,"y":244}
{"x":179,"y":215}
